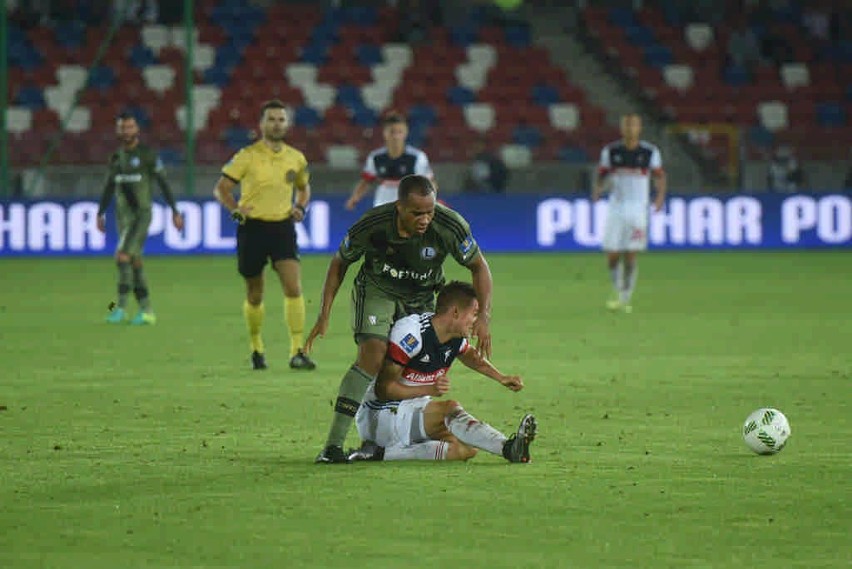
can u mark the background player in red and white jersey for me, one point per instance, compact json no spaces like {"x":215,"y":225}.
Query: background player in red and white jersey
{"x":398,"y":412}
{"x":386,"y":166}
{"x":625,"y":169}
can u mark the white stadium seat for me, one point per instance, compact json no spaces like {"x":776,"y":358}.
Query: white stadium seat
{"x":564,"y":116}
{"x":159,"y":78}
{"x":377,"y":96}
{"x":397,"y":53}
{"x":204,"y":57}
{"x":678,"y":76}
{"x":79,"y":121}
{"x":319,"y":97}
{"x":59,"y":98}
{"x":795,"y":75}
{"x":178,"y":36}
{"x":387,"y":73}
{"x":516,"y":155}
{"x":482,"y":55}
{"x":72,"y":77}
{"x":199,"y":119}
{"x":699,"y":36}
{"x":471,"y":76}
{"x":342,"y":156}
{"x":156,"y":37}
{"x":773,"y":115}
{"x":479,"y":116}
{"x":18,"y":119}
{"x":301,"y":74}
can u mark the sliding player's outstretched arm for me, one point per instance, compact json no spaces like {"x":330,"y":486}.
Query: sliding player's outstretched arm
{"x":474,"y":360}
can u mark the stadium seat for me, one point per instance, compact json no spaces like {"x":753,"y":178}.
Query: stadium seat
{"x":699,"y":36}
{"x":483,"y":55}
{"x":342,"y":156}
{"x":377,"y":96}
{"x":159,"y":78}
{"x":80,"y":120}
{"x":564,"y":116}
{"x":71,"y":76}
{"x":471,"y":76}
{"x":830,"y":114}
{"x":19,"y":119}
{"x":155,"y":37}
{"x":397,"y":53}
{"x":678,"y":76}
{"x":479,"y":116}
{"x":773,"y":115}
{"x":301,"y":74}
{"x":319,"y":97}
{"x":459,"y":95}
{"x":795,"y":75}
{"x":516,"y":156}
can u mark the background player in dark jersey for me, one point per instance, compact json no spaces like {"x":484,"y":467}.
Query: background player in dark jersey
{"x":133,"y":169}
{"x":624,"y":170}
{"x":404,"y":245}
{"x":398,"y":412}
{"x":386,"y":166}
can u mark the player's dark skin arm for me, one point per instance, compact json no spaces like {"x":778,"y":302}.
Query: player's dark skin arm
{"x":483,"y":284}
{"x":333,"y":279}
{"x":474,"y":360}
{"x":389,"y":388}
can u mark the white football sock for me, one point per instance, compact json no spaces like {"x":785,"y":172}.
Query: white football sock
{"x":471,"y":431}
{"x":630,"y":276}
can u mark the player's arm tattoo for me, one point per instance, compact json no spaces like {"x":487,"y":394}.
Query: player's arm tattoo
{"x":166,"y":190}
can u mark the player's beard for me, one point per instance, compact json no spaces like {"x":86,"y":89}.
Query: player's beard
{"x":129,"y":140}
{"x":275,"y":136}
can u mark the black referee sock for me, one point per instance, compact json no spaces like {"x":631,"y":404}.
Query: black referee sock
{"x":352,"y":389}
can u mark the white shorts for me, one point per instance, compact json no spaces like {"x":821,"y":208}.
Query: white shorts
{"x":626,"y":229}
{"x":385,"y":194}
{"x":393,"y":425}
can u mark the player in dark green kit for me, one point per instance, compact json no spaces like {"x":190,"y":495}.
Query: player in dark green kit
{"x":133,"y":169}
{"x":404,"y":245}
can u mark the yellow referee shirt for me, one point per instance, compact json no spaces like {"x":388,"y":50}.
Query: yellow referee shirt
{"x":267,"y":179}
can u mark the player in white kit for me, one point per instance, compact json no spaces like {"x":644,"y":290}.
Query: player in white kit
{"x":399,"y":412}
{"x":386,"y":166}
{"x":625,"y":169}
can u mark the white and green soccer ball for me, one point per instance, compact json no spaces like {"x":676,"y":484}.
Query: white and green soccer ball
{"x":766,"y":431}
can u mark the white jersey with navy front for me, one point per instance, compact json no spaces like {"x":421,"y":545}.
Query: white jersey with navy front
{"x":413,"y":344}
{"x":627,"y":173}
{"x":381,"y":168}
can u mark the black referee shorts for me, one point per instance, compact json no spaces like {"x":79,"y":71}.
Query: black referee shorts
{"x":259,"y":240}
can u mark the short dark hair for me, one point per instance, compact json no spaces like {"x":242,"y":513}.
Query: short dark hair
{"x":125,"y":116}
{"x":414,"y":184}
{"x":272,"y":104}
{"x":455,"y":294}
{"x":393,"y":117}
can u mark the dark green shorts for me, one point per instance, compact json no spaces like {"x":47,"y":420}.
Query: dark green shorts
{"x":374,"y":311}
{"x":133,"y":231}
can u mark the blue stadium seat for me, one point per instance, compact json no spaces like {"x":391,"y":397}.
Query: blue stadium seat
{"x":736,"y":76}
{"x":518,"y":36}
{"x":640,"y":36}
{"x":218,"y":76}
{"x":759,"y":136}
{"x":70,"y":35}
{"x":459,"y":95}
{"x":545,"y":95}
{"x":349,"y":96}
{"x":359,"y":15}
{"x":364,"y":117}
{"x":464,"y":35}
{"x":417,"y":133}
{"x":527,"y":135}
{"x":573,"y":155}
{"x":315,"y":53}
{"x":421,"y":115}
{"x":227,"y":56}
{"x":307,"y":117}
{"x":142,"y":56}
{"x":101,"y":77}
{"x":369,"y":54}
{"x":658,"y":56}
{"x":236,"y":137}
{"x":30,"y":96}
{"x":830,"y":114}
{"x":25,"y":56}
{"x":622,"y":17}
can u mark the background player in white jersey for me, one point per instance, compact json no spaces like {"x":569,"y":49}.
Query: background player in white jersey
{"x":624,"y":171}
{"x":398,"y":411}
{"x":389,"y":164}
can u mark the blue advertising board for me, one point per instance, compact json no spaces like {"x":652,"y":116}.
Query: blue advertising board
{"x":500,"y":224}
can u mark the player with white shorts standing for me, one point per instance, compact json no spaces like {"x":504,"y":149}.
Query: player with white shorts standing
{"x":399,"y":413}
{"x":625,"y":170}
{"x":387,"y":165}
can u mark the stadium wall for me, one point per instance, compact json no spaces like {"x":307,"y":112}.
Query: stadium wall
{"x":515,"y":223}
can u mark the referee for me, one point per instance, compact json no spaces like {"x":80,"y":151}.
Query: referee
{"x":269,"y":173}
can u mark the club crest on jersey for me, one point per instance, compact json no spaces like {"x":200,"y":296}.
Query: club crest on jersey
{"x":134,"y":162}
{"x":466,"y":245}
{"x":410,"y":343}
{"x":427,"y":253}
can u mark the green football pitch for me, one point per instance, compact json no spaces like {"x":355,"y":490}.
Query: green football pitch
{"x":157,"y":447}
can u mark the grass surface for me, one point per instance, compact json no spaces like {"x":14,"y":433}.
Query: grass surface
{"x":153,"y":447}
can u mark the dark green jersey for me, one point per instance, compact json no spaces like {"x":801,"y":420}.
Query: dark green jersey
{"x":410,"y":269}
{"x":132,"y":174}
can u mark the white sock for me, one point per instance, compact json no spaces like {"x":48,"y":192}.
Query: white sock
{"x":615,"y":276}
{"x":630,"y":276}
{"x":471,"y":431}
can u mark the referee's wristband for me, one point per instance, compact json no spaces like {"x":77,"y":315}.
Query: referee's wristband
{"x":300,"y":207}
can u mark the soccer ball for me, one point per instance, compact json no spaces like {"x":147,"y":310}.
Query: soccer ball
{"x":766,"y":431}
